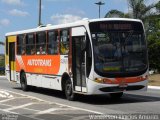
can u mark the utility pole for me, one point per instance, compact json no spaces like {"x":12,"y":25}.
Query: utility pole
{"x":99,"y":4}
{"x":39,"y":20}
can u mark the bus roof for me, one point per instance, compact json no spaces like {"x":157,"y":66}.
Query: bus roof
{"x":66,"y":25}
{"x":115,"y":19}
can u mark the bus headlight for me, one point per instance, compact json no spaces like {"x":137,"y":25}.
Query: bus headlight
{"x":98,"y":80}
{"x":103,"y":80}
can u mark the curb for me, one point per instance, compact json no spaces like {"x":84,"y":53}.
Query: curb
{"x":3,"y":76}
{"x":154,"y":87}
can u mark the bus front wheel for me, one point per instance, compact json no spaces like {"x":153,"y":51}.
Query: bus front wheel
{"x":69,"y":91}
{"x":23,"y":79}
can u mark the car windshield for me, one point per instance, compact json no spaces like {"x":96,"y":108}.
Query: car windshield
{"x":119,"y":51}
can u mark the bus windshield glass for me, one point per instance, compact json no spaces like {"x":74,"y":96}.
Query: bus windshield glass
{"x":119,"y":47}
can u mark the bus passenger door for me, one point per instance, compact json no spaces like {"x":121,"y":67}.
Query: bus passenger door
{"x":79,"y":63}
{"x":12,"y":62}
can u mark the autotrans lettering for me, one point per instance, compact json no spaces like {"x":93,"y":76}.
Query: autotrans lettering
{"x":39,"y":62}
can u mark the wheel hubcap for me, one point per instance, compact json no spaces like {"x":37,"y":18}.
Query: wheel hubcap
{"x":68,"y":89}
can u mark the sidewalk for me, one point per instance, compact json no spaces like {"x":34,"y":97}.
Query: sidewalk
{"x":3,"y":77}
{"x":154,"y":87}
{"x":154,"y":80}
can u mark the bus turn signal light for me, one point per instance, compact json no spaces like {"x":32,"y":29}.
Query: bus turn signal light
{"x":119,"y":80}
{"x":103,"y":80}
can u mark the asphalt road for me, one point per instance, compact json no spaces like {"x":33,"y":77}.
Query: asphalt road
{"x":45,"y":104}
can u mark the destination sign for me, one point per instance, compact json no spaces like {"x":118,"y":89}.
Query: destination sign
{"x":105,"y":26}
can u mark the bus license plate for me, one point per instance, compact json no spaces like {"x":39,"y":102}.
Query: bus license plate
{"x":123,"y":85}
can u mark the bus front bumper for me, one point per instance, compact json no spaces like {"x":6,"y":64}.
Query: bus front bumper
{"x":98,"y":88}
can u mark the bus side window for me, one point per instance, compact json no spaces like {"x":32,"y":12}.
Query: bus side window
{"x":41,"y":43}
{"x":21,"y":49}
{"x":52,"y":42}
{"x":64,"y":44}
{"x":30,"y":44}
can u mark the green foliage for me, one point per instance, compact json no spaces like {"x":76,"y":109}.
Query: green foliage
{"x":1,"y":43}
{"x":2,"y":64}
{"x":115,"y":13}
{"x":158,"y":6}
{"x":2,"y":61}
{"x":139,"y":10}
{"x":153,"y":38}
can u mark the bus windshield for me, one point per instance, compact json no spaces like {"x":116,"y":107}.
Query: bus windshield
{"x":119,"y":48}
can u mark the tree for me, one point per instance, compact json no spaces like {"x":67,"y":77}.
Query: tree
{"x":154,"y":39}
{"x":154,"y":49}
{"x":116,"y":13}
{"x":158,"y":7}
{"x":1,"y":43}
{"x":139,"y":10}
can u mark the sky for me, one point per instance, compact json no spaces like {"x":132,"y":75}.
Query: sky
{"x":23,"y":14}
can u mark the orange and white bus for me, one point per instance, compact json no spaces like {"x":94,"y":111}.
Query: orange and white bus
{"x":99,"y":56}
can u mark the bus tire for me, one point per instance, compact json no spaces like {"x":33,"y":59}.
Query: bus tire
{"x":69,"y":91}
{"x":23,"y":79}
{"x":116,"y":95}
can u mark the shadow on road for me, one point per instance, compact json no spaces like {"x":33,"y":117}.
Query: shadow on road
{"x":127,"y":98}
{"x":97,"y":99}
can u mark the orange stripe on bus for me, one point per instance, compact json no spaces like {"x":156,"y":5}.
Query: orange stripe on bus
{"x":46,"y":64}
{"x":125,"y":80}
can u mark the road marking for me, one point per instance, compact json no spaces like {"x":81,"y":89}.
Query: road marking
{"x":31,"y":109}
{"x":15,"y":113}
{"x":2,"y":96}
{"x":17,"y":107}
{"x":23,"y":108}
{"x":46,"y":111}
{"x":10,"y":99}
{"x":54,"y":109}
{"x":12,"y":92}
{"x":6,"y":100}
{"x":87,"y":110}
{"x":5,"y":94}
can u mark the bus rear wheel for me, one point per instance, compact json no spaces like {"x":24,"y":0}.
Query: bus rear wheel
{"x":23,"y":79}
{"x":69,"y":91}
{"x":116,"y":95}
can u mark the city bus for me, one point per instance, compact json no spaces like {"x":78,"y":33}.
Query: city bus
{"x":89,"y":57}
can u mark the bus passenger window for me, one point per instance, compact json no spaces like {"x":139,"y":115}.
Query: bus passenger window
{"x":21,"y":50}
{"x":33,"y":51}
{"x":52,"y":43}
{"x":30,"y":44}
{"x":41,"y":43}
{"x":64,"y":44}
